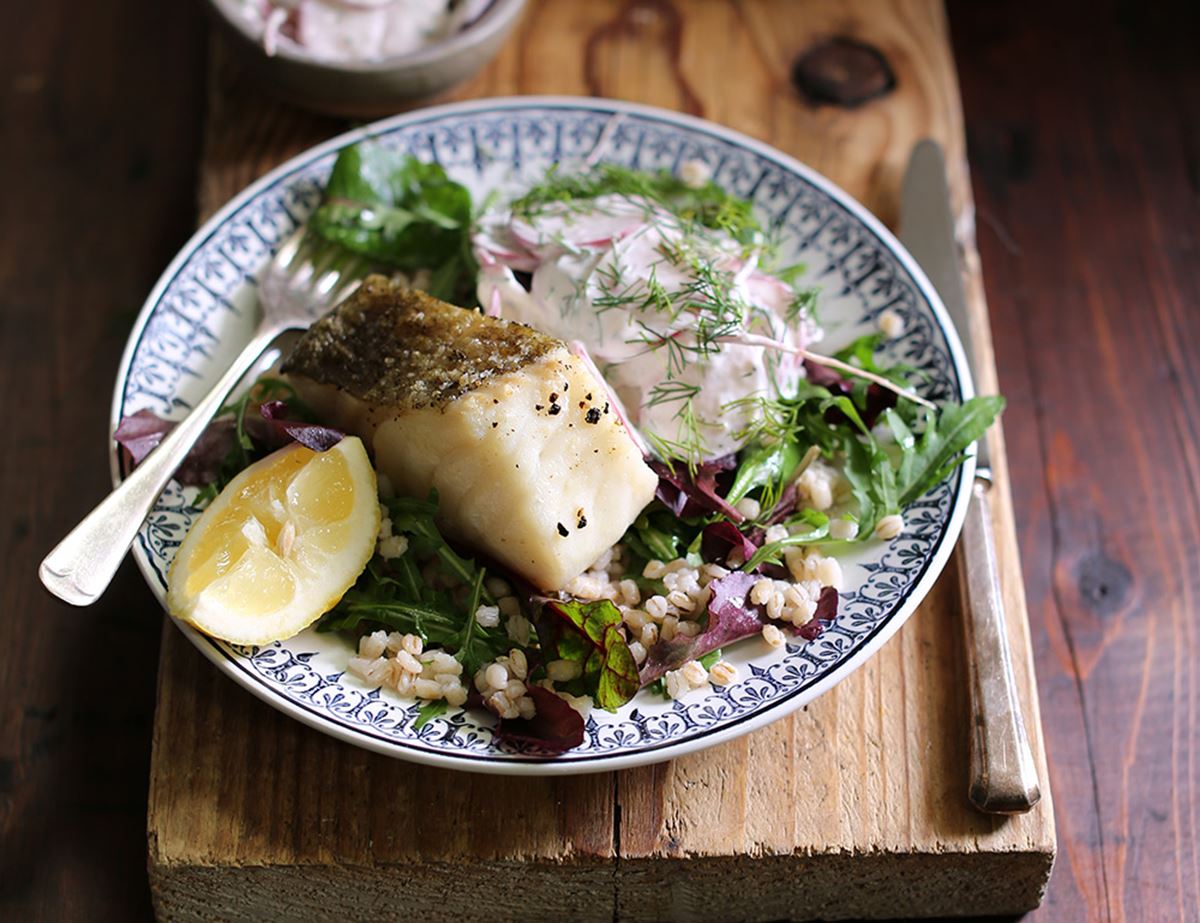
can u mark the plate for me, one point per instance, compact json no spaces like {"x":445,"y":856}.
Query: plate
{"x":202,"y":312}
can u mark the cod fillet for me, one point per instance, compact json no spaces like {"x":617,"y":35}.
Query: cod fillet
{"x":531,"y":464}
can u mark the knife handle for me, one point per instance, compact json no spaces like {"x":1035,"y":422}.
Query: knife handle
{"x":1003,"y":779}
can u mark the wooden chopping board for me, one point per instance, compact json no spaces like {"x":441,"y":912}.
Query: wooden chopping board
{"x":855,"y":806}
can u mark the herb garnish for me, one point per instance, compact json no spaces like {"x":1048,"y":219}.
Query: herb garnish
{"x":401,"y":212}
{"x":394,"y":592}
{"x":709,"y":205}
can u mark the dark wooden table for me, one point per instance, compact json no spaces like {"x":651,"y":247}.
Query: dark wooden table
{"x":1084,"y":130}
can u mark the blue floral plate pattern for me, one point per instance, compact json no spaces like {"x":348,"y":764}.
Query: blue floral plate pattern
{"x":202,"y":311}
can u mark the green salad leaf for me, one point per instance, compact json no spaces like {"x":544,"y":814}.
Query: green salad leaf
{"x":589,"y":634}
{"x":430,"y":710}
{"x":401,"y":212}
{"x":395,"y":594}
{"x":766,"y":464}
{"x":937,"y":450}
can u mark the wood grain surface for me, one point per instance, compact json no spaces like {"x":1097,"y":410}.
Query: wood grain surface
{"x":1087,"y":170}
{"x":1082,"y":134}
{"x":861,"y":795}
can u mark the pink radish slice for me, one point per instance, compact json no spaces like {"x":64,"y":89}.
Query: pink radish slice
{"x":611,"y":218}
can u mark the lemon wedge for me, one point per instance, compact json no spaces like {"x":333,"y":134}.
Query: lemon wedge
{"x":279,"y":545}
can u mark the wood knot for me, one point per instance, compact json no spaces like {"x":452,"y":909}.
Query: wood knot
{"x":843,"y":72}
{"x":1103,"y":583}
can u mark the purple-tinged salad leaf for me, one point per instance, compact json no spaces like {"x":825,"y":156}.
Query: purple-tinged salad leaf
{"x":589,"y":634}
{"x":310,"y":435}
{"x":731,"y":617}
{"x":827,"y":609}
{"x":721,"y":538}
{"x":139,"y":434}
{"x":556,"y":727}
{"x":875,"y":400}
{"x":689,"y":494}
{"x":234,"y":440}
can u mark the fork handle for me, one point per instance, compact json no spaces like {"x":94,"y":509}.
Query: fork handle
{"x":82,"y":565}
{"x":1003,"y":778}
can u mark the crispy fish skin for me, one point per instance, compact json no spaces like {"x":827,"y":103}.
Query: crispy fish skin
{"x":530,"y":463}
{"x":400,"y":348}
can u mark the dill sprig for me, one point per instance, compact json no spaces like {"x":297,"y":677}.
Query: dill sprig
{"x":686,"y":320}
{"x":708,"y":205}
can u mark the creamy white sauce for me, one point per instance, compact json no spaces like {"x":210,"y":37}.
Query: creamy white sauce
{"x":358,"y":30}
{"x":596,"y":268}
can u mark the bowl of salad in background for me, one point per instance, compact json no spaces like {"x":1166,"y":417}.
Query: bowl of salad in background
{"x":365,"y":57}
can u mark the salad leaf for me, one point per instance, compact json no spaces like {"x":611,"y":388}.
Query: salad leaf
{"x":827,"y":609}
{"x":310,"y":435}
{"x":690,"y":494}
{"x":377,"y":600}
{"x":816,"y":533}
{"x":656,"y":535}
{"x":720,"y":538}
{"x":555,"y":727}
{"x":764,"y":464}
{"x":589,"y":634}
{"x":709,"y":660}
{"x":429,"y":711}
{"x":234,"y":439}
{"x":399,"y":211}
{"x":416,"y":519}
{"x":930,"y":456}
{"x":393,"y":593}
{"x":731,"y":617}
{"x":140,"y":433}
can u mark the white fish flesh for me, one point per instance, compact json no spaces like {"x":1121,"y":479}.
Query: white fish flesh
{"x":531,"y":464}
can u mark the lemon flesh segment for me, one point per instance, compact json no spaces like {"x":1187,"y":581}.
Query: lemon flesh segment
{"x":279,"y":545}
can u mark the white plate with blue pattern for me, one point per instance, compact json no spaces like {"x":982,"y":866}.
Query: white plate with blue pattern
{"x":202,"y":311}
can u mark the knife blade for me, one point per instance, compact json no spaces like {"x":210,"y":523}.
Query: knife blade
{"x":1002,"y":775}
{"x":927,"y":232}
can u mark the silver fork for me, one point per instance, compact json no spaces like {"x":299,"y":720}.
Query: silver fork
{"x":305,"y":278}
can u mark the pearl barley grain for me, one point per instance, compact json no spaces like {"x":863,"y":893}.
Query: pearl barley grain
{"x":749,"y":507}
{"x":773,"y":636}
{"x":695,"y":173}
{"x":496,"y":676}
{"x":891,"y":324}
{"x":889,"y":527}
{"x":843,"y":530}
{"x":372,"y":645}
{"x":695,"y":674}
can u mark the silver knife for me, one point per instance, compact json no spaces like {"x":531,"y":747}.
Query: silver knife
{"x":1003,"y":778}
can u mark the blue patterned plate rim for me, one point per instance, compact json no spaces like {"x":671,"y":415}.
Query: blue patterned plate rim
{"x":235,"y":666}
